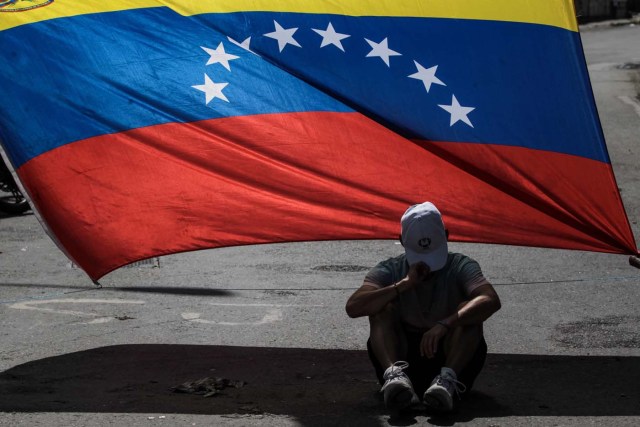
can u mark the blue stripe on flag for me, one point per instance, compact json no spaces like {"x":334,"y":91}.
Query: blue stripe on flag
{"x":514,"y":84}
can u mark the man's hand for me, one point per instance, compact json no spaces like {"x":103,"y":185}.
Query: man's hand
{"x":418,"y":272}
{"x":430,"y":340}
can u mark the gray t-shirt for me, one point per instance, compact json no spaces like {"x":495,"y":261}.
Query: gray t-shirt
{"x":436,"y":298}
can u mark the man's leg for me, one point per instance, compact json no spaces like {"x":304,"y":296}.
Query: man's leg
{"x":388,"y":341}
{"x":387,"y":348}
{"x":465,"y":351}
{"x":460,"y":346}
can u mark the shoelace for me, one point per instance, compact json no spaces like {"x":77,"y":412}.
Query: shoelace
{"x":397,"y":369}
{"x":451,"y":384}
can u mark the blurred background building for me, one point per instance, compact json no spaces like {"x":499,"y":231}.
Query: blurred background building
{"x":596,"y":10}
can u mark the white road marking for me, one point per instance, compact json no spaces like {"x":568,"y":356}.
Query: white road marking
{"x":604,"y":66}
{"x":190,"y":316}
{"x":99,"y":320}
{"x":630,"y":101}
{"x":266,"y":305}
{"x":30,"y":305}
{"x":274,"y":314}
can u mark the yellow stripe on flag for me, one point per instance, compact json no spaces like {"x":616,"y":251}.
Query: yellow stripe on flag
{"x":557,"y":13}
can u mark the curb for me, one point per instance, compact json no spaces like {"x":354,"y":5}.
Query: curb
{"x":633,"y":21}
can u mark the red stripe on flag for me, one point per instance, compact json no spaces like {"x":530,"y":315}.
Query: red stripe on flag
{"x":115,"y":199}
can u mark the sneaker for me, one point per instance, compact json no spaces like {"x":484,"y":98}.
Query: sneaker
{"x":439,"y":396}
{"x":397,"y":389}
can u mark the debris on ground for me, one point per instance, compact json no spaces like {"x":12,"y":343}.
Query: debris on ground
{"x":208,"y":386}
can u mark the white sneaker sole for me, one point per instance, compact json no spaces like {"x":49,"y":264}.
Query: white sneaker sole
{"x":398,"y":397}
{"x":438,"y":400}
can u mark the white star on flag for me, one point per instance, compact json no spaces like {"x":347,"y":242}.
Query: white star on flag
{"x":212,"y":90}
{"x":218,"y":55}
{"x":244,"y":44}
{"x":284,"y":36}
{"x":458,"y":112}
{"x":329,"y":36}
{"x":427,"y":75}
{"x":381,"y":50}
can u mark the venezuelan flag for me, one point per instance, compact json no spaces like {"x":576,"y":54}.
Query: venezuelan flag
{"x":146,"y":127}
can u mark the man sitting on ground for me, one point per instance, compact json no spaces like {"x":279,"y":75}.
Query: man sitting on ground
{"x":426,"y":308}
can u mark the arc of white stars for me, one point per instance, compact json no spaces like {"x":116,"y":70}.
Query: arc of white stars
{"x":284,"y":36}
{"x":427,"y":75}
{"x":211,"y":89}
{"x":382,"y":50}
{"x":219,"y":56}
{"x":457,"y":111}
{"x":331,"y":37}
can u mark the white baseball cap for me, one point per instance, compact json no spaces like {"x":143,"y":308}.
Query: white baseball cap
{"x":424,"y":237}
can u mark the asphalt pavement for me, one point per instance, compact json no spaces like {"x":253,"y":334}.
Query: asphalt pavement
{"x":261,"y":331}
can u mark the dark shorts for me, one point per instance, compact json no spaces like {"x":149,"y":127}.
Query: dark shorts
{"x":422,"y":371}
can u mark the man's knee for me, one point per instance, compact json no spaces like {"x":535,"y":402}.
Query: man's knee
{"x":389,"y":313}
{"x":466,"y":333}
{"x":463,"y":339}
{"x":391,"y":309}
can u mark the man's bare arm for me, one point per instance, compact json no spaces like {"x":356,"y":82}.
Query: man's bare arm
{"x":370,"y":298}
{"x":483,"y":302}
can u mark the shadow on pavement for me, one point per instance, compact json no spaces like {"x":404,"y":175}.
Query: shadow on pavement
{"x":168,"y":290}
{"x":8,"y":215}
{"x":316,"y":387}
